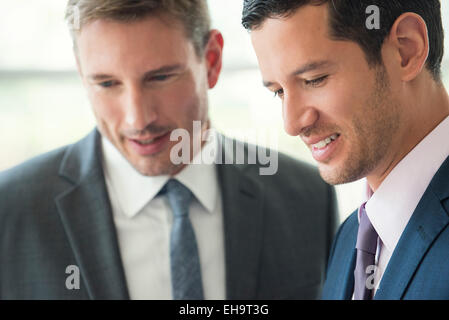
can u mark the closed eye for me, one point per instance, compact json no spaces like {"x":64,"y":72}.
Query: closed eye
{"x":315,"y":82}
{"x":160,"y":78}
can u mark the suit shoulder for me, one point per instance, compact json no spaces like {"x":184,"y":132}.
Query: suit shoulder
{"x":280,"y":163}
{"x":288,"y":164}
{"x":34,"y":170}
{"x":292,"y":173}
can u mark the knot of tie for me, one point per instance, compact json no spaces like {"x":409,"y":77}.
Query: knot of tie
{"x":179,"y":197}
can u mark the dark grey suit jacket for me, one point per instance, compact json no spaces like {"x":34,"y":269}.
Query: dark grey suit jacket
{"x":55,"y":212}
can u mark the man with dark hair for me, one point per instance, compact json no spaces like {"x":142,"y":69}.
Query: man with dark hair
{"x":116,"y":216}
{"x":368,"y":100}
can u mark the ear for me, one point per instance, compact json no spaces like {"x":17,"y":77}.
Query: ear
{"x":410,"y":37}
{"x":214,"y":57}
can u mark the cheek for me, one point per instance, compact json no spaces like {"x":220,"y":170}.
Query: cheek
{"x":105,"y":109}
{"x":345,"y":100}
{"x":183,"y":100}
{"x":334,"y":104}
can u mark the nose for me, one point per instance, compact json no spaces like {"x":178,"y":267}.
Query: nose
{"x":140,"y":110}
{"x":297,"y":114}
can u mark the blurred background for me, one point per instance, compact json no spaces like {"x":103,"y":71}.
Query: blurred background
{"x":43,"y":104}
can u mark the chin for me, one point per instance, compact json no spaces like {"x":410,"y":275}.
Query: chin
{"x":332,"y":179}
{"x":335,"y":175}
{"x":155,"y":168}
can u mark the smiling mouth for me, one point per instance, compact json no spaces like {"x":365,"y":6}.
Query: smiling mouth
{"x":323,"y":143}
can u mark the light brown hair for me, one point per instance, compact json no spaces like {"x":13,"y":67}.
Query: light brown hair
{"x":192,"y":14}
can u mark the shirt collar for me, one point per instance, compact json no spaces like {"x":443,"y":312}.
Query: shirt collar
{"x":392,"y":205}
{"x":134,"y":190}
{"x":201,"y":178}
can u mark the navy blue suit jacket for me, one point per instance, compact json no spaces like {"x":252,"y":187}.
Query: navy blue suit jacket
{"x":419,"y":266}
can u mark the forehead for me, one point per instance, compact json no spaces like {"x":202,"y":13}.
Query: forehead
{"x":152,"y":40}
{"x":300,"y":38}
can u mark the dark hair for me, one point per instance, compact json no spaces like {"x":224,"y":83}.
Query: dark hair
{"x":347,"y":21}
{"x":192,"y":14}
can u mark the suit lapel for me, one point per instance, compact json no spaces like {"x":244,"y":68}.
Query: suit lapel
{"x":242,"y":200}
{"x":87,"y":218}
{"x":345,"y":290}
{"x":428,"y":220}
{"x":340,"y":282}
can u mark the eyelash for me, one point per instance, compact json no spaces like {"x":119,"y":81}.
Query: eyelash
{"x":107,"y":84}
{"x":310,"y":83}
{"x":279,"y":93}
{"x":158,"y":78}
{"x":161,"y":77}
{"x":315,"y":82}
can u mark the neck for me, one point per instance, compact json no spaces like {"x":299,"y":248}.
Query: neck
{"x":198,"y":138}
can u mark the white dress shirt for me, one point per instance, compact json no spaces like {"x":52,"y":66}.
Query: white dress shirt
{"x":144,"y":222}
{"x":392,"y":205}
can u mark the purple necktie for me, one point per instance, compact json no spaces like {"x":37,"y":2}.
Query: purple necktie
{"x":366,"y":250}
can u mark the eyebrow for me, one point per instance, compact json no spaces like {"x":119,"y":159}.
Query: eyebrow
{"x":163,"y":69}
{"x":303,"y":69}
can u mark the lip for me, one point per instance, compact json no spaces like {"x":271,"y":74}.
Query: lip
{"x":316,"y":139}
{"x":156,"y":146}
{"x":321,"y":155}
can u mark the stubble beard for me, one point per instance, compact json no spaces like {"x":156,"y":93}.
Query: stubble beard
{"x":161,"y":163}
{"x":373,"y":132}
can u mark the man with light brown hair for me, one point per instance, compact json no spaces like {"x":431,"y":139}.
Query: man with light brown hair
{"x":114,"y":217}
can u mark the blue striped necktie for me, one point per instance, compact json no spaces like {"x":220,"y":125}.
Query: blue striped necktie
{"x":184,"y":257}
